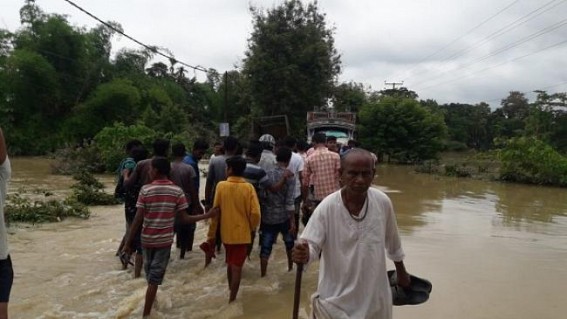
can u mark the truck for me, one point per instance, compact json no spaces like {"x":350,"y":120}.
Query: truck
{"x":277,"y":126}
{"x":342,"y":125}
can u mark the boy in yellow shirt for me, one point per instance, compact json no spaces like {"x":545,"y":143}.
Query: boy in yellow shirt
{"x":240,"y":215}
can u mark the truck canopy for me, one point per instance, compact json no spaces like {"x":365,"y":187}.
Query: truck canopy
{"x":341,"y":125}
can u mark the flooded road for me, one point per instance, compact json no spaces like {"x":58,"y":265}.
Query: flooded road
{"x":491,"y":251}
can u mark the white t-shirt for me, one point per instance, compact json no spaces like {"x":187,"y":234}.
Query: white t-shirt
{"x":296,"y":167}
{"x":353,"y":282}
{"x":268,"y":160}
{"x":5,"y":173}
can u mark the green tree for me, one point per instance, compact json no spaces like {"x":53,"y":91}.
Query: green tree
{"x":130,"y":62}
{"x":233,"y":92}
{"x":291,"y":63}
{"x":115,"y":101}
{"x":349,"y":97}
{"x":530,"y":160}
{"x":31,"y":96}
{"x":509,"y":119}
{"x":402,"y":93}
{"x":468,"y":124}
{"x":110,"y":141}
{"x":547,"y":118}
{"x":401,"y":129}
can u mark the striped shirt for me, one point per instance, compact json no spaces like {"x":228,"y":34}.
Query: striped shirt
{"x":322,"y":171}
{"x":160,"y":201}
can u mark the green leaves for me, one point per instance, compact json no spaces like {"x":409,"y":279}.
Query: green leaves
{"x":529,"y":160}
{"x":22,"y":209}
{"x":402,"y":129}
{"x":291,"y":62}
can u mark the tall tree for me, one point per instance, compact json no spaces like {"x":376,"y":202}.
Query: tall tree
{"x":547,"y":118}
{"x":291,"y":63}
{"x":515,"y":106}
{"x":509,"y":120}
{"x":402,"y":129}
{"x":401,"y":92}
{"x":349,"y":97}
{"x":468,"y":125}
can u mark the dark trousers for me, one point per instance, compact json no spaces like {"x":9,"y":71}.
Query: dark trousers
{"x":6,"y":279}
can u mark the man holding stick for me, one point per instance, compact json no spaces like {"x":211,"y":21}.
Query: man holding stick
{"x":350,"y":231}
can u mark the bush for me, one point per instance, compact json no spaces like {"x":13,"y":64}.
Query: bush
{"x":70,"y":160}
{"x":458,"y":170}
{"x":455,"y":146}
{"x":428,"y":167}
{"x":529,"y":160}
{"x":89,"y":191}
{"x":110,"y":142}
{"x":21,"y":209}
{"x":105,"y":152}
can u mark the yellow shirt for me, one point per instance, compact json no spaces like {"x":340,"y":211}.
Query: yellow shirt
{"x":240,"y":211}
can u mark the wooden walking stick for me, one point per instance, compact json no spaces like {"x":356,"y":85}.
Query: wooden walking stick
{"x":297,"y":293}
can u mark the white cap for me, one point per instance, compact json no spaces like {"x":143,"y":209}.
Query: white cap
{"x":268,"y":139}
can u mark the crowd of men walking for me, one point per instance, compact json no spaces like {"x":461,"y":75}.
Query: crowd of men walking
{"x":264,"y":189}
{"x":260,"y":191}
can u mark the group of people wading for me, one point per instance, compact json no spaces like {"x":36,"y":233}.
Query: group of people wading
{"x":260,"y":192}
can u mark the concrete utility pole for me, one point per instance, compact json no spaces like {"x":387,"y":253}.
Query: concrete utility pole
{"x":393,"y":84}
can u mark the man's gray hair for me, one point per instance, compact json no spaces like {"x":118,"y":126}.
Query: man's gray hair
{"x":355,"y":151}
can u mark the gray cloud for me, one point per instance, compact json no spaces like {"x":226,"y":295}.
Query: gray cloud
{"x":377,"y":40}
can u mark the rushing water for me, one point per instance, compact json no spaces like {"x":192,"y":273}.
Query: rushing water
{"x":491,"y":251}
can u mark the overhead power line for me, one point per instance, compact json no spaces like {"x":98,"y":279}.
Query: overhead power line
{"x":506,"y":48}
{"x":497,"y":65}
{"x":458,"y":38}
{"x":149,"y":47}
{"x":511,"y":26}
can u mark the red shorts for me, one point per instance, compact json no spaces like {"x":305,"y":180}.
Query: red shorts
{"x":236,"y":254}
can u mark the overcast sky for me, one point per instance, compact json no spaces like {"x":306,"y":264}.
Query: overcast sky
{"x":464,"y":51}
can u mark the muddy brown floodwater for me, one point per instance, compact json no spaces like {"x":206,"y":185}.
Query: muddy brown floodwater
{"x":491,"y":250}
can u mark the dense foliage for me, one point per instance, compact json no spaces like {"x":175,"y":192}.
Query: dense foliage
{"x":61,"y":91}
{"x":401,"y":129}
{"x":529,"y":160}
{"x":87,"y":190}
{"x":291,"y":63}
{"x":22,"y":209}
{"x":90,"y":191}
{"x":59,"y":87}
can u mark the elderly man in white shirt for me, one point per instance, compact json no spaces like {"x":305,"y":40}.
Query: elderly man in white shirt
{"x":350,"y":231}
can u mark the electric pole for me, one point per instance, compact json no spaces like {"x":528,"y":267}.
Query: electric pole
{"x":393,"y":84}
{"x":225,"y":95}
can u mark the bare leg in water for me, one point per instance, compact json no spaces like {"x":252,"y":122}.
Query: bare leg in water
{"x":150,"y":298}
{"x":3,"y":310}
{"x":234,"y":274}
{"x":289,"y":261}
{"x":263,"y":266}
{"x":138,"y":263}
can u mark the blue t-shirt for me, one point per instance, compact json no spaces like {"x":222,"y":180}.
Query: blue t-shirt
{"x":127,"y":163}
{"x":189,"y":159}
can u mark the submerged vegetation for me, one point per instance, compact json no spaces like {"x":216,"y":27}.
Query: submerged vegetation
{"x":22,"y":209}
{"x":86,"y":191}
{"x":90,"y":191}
{"x":478,"y":165}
